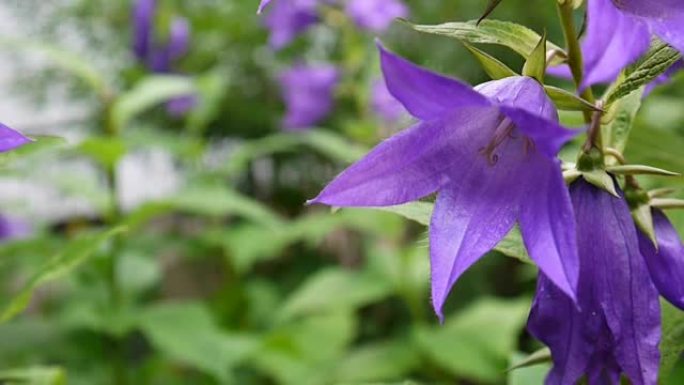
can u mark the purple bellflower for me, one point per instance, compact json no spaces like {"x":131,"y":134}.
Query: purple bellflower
{"x":490,"y":154}
{"x":375,"y":15}
{"x":308,"y":92}
{"x":287,"y":19}
{"x":619,"y":32}
{"x":384,"y":104}
{"x":617,"y":329}
{"x":10,"y":139}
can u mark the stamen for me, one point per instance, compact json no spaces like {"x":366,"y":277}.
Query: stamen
{"x":505,"y":130}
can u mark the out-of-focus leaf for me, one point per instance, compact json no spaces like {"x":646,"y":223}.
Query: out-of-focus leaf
{"x":335,"y":289}
{"x":326,"y":143}
{"x":539,"y":357}
{"x":379,"y":362}
{"x":72,"y":256}
{"x":512,"y":245}
{"x":71,"y":62}
{"x":307,"y":351}
{"x":186,"y":332}
{"x":514,"y":36}
{"x":477,"y":342}
{"x":34,"y":376}
{"x":211,"y":88}
{"x":672,"y":340}
{"x":150,"y":92}
{"x":529,"y":375}
{"x":106,"y":151}
{"x":40,"y":145}
{"x":658,"y":60}
{"x":656,"y":148}
{"x":207,"y":200}
{"x":618,"y":122}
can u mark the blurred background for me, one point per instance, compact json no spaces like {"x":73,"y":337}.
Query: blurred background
{"x":156,"y":231}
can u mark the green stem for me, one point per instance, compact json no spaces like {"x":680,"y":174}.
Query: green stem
{"x":575,"y":61}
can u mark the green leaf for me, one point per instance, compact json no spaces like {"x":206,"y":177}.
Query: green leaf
{"x":618,"y":121}
{"x":73,"y":63}
{"x":531,"y":375}
{"x":672,"y":339}
{"x":393,"y":359}
{"x":539,"y":357}
{"x":150,"y":92}
{"x":335,"y":289}
{"x":658,"y":148}
{"x":514,"y":36}
{"x":106,"y":151}
{"x":73,"y":255}
{"x":491,"y":65}
{"x":477,"y":342}
{"x":567,"y":101}
{"x":512,"y":245}
{"x":34,"y":376}
{"x":535,"y":66}
{"x":656,"y":61}
{"x":186,"y":332}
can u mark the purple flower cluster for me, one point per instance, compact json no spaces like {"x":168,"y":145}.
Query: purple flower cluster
{"x":308,"y":94}
{"x":160,"y":56}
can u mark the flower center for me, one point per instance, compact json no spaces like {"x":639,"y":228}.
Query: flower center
{"x":503,"y":132}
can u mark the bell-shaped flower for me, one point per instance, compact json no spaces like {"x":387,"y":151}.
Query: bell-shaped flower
{"x":375,"y":15}
{"x":308,"y":91}
{"x":286,"y":19}
{"x":619,"y":32}
{"x":614,"y":327}
{"x":489,"y":153}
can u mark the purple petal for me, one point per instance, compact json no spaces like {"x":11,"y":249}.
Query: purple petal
{"x":554,"y":320}
{"x":289,"y":18}
{"x":375,"y":15}
{"x":13,"y":228}
{"x":548,"y":136}
{"x":308,"y":92}
{"x":614,"y":40}
{"x":414,"y":163}
{"x":143,"y":16}
{"x":179,"y":39}
{"x":385,"y":106}
{"x":425,"y":94}
{"x":650,"y":8}
{"x":547,"y":223}
{"x":520,"y":92}
{"x":666,"y":264}
{"x":10,"y":139}
{"x":263,"y":5}
{"x":670,"y":29}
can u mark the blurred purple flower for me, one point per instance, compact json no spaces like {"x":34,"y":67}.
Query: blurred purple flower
{"x":490,"y":154}
{"x":12,"y":228}
{"x":376,"y":15}
{"x":308,"y":93}
{"x":286,"y":19}
{"x":263,"y":5}
{"x":619,"y":32}
{"x":143,"y":24}
{"x":384,"y":104}
{"x":181,"y":105}
{"x":10,"y":139}
{"x":617,"y":329}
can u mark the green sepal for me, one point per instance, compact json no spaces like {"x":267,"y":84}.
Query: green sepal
{"x":638,"y":169}
{"x":643,"y":218}
{"x":667,"y":203}
{"x":541,"y":356}
{"x":571,"y":175}
{"x":602,"y":180}
{"x":535,"y":66}
{"x":491,"y":65}
{"x":568,"y":101}
{"x":661,"y":192}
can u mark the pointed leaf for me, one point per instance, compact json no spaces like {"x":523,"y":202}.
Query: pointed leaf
{"x":514,"y":36}
{"x":491,"y":65}
{"x":539,"y":357}
{"x":567,"y":101}
{"x":638,"y":169}
{"x":535,"y":66}
{"x":602,"y":180}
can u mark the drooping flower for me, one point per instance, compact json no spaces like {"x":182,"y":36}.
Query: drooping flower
{"x":384,"y":104}
{"x":619,"y":32}
{"x":11,"y":139}
{"x":308,"y":93}
{"x":286,"y":19}
{"x":666,"y":262}
{"x":375,"y":15}
{"x":615,"y":326}
{"x":490,"y":154}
